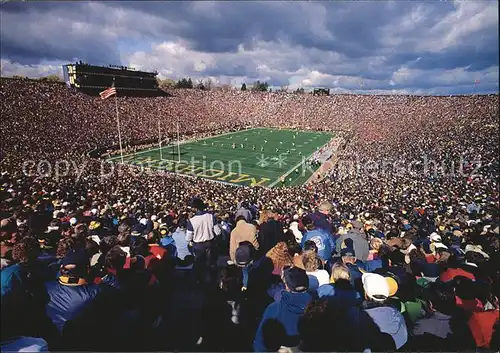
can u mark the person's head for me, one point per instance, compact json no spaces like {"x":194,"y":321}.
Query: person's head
{"x":405,"y":243}
{"x":416,"y":255}
{"x":442,"y":297}
{"x":308,"y":223}
{"x":465,"y":288}
{"x":139,"y":247}
{"x":230,"y":280}
{"x":280,"y":256}
{"x":311,"y":261}
{"x":124,"y":239}
{"x":75,"y":264}
{"x":325,"y":207}
{"x":81,"y":230}
{"x":295,"y":279}
{"x":315,"y":327}
{"x":115,"y":258}
{"x":347,"y":252}
{"x":376,"y":243}
{"x":376,"y":287}
{"x":153,"y":237}
{"x":310,"y":245}
{"x":475,"y":258}
{"x":64,"y":246}
{"x":198,"y":204}
{"x":265,"y":215}
{"x":340,"y":272}
{"x":26,"y":250}
{"x":240,"y":218}
{"x":91,"y":247}
{"x":442,"y":256}
{"x":244,"y":254}
{"x":107,"y":243}
{"x":397,"y":258}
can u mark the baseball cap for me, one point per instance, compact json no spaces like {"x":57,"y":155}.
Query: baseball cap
{"x":376,"y":286}
{"x":77,"y":258}
{"x":347,"y":248}
{"x":477,"y":249}
{"x":348,"y":252}
{"x":435,"y":237}
{"x":243,"y":255}
{"x":296,"y":279}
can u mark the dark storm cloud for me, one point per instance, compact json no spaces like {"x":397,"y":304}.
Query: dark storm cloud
{"x":369,"y":40}
{"x":36,"y":32}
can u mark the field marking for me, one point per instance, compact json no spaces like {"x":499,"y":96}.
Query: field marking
{"x":298,"y":165}
{"x":180,"y":143}
{"x":251,"y":153}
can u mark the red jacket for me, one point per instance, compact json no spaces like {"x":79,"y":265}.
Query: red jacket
{"x":481,"y":325}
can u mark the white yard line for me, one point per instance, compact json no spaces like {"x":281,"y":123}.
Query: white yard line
{"x":298,"y":165}
{"x":180,"y":143}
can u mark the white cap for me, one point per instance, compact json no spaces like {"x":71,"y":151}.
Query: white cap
{"x":476,"y":248}
{"x":435,"y":237}
{"x":72,"y":221}
{"x":154,"y":218}
{"x":143,"y":221}
{"x":375,"y":286}
{"x":94,"y":211}
{"x":65,"y":203}
{"x":440,"y":245}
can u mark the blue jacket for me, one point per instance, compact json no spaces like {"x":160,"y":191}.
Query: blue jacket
{"x":67,"y":301}
{"x":344,"y":295}
{"x":375,"y":326}
{"x":287,"y":312}
{"x":323,"y":240}
{"x":23,"y":302}
{"x":356,"y":272}
{"x":390,"y":321}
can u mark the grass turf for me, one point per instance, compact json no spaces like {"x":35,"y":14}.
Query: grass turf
{"x":266,"y":156}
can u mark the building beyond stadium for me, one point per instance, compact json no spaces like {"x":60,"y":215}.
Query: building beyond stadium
{"x":93,"y":79}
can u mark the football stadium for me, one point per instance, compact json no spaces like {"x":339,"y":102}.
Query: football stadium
{"x":250,"y":176}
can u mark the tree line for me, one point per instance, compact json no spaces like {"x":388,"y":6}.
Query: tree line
{"x":188,"y":83}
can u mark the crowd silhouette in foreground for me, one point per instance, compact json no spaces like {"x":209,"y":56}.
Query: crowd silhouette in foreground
{"x":395,"y":248}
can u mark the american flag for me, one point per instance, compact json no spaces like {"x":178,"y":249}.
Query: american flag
{"x":108,"y":93}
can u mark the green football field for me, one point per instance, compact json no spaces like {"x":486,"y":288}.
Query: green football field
{"x":260,"y":156}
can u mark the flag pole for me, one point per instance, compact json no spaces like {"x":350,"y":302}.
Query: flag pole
{"x":118,"y":122}
{"x":159,"y":139}
{"x":178,"y":142}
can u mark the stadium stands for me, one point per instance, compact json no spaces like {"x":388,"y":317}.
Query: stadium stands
{"x":96,"y":257}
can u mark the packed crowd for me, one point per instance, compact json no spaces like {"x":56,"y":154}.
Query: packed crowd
{"x":376,"y":256}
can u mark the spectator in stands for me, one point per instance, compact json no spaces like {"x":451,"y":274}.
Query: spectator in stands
{"x":323,"y":240}
{"x":358,"y":237}
{"x":438,"y":331}
{"x":317,"y":276}
{"x":321,"y":218}
{"x":270,"y":231}
{"x":279,"y":324}
{"x":201,"y":231}
{"x":70,"y":294}
{"x":243,"y":231}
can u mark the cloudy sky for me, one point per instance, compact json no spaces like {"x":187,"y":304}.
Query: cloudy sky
{"x":431,"y":47}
